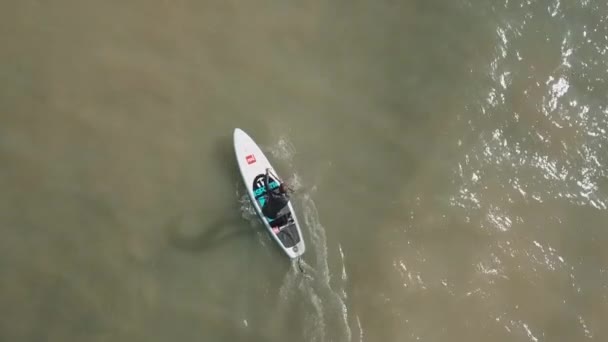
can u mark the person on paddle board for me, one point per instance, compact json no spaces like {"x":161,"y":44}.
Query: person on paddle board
{"x":276,"y":199}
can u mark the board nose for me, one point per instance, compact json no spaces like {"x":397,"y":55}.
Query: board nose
{"x":237,"y":134}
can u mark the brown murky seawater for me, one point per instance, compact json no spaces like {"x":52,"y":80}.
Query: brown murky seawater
{"x":449,"y":158}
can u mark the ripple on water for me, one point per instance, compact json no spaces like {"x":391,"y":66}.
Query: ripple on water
{"x":539,"y":142}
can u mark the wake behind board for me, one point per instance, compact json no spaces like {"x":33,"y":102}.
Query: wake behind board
{"x":285,"y":230}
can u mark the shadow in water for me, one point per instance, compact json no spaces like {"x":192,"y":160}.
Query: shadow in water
{"x":201,"y":238}
{"x":185,"y":231}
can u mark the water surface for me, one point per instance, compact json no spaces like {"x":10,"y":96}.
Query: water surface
{"x":450,"y":160}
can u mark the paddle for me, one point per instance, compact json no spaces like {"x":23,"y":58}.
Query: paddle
{"x":289,"y":188}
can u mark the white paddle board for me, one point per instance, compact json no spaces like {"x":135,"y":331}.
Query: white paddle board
{"x":285,"y":230}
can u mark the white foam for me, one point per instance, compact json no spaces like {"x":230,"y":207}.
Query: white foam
{"x":360,"y":329}
{"x":283,"y":149}
{"x":315,"y":283}
{"x":317,"y":233}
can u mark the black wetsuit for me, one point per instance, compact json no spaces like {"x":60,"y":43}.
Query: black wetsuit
{"x":275,"y":200}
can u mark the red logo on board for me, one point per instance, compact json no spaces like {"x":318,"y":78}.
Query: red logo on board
{"x":250,"y":159}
